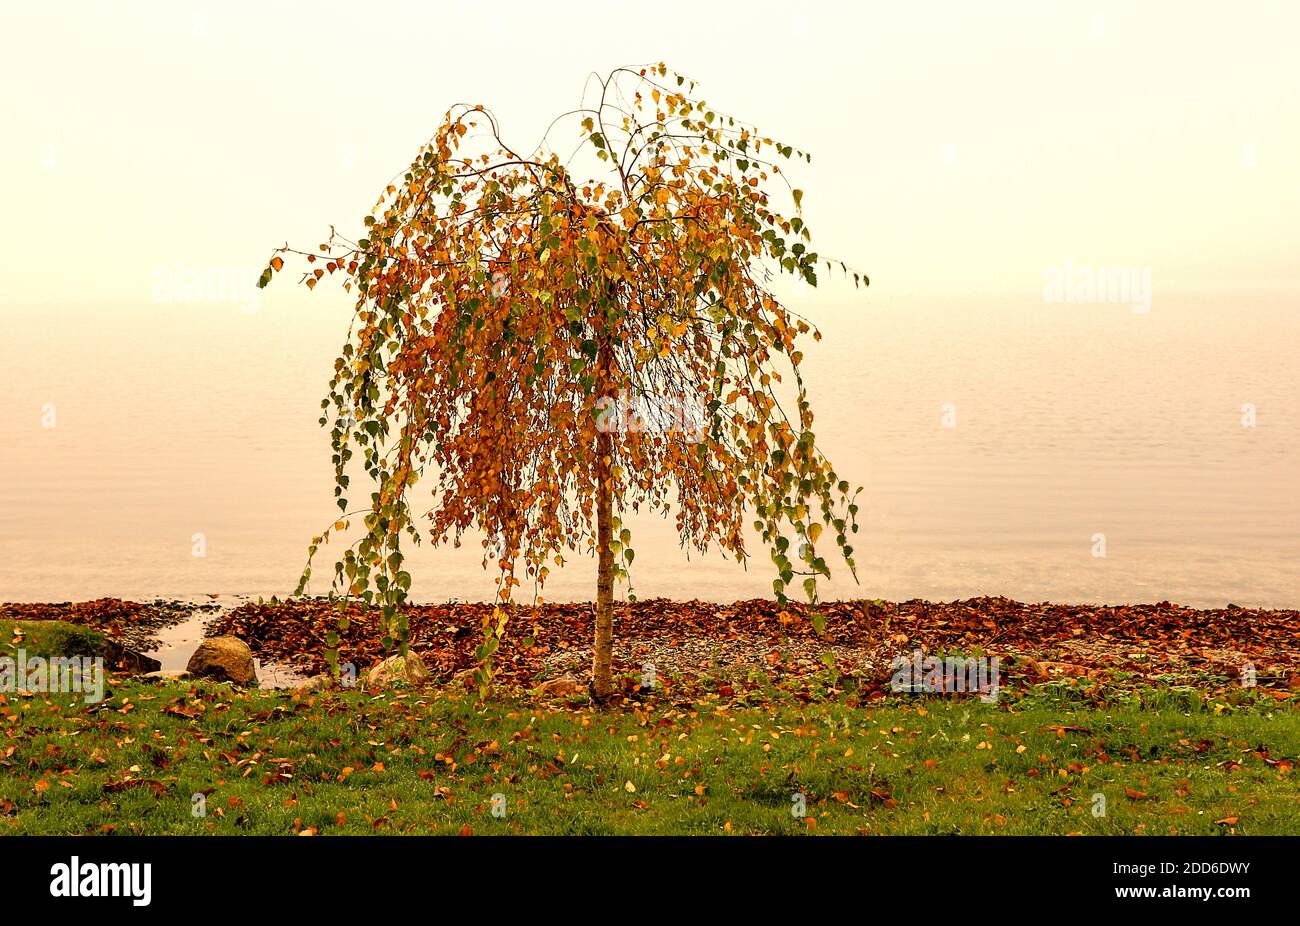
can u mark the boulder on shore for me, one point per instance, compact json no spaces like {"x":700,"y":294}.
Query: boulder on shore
{"x":565,"y":686}
{"x":321,"y":682}
{"x":395,"y":670}
{"x":225,"y":659}
{"x":122,"y":659}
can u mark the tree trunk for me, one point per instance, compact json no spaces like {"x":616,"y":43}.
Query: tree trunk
{"x":603,"y":646}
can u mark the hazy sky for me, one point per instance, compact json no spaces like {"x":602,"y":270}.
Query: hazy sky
{"x":956,"y":146}
{"x":962,"y":152}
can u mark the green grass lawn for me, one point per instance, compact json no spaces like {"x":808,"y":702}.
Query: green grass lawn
{"x":47,"y":638}
{"x":431,"y":762}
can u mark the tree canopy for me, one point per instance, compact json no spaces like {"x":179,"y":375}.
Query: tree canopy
{"x":549,"y":341}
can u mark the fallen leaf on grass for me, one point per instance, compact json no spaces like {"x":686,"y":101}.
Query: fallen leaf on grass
{"x":1062,"y":729}
{"x":157,"y":787}
{"x":885,"y":797}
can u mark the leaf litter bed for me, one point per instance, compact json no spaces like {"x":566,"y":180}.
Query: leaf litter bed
{"x":133,"y":624}
{"x":748,"y":645}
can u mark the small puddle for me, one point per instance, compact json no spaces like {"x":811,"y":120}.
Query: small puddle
{"x":177,"y":643}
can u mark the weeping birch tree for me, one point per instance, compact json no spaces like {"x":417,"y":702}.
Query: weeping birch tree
{"x":546,"y":342}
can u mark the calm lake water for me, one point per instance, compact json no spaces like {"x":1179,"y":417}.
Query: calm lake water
{"x":1070,"y":421}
